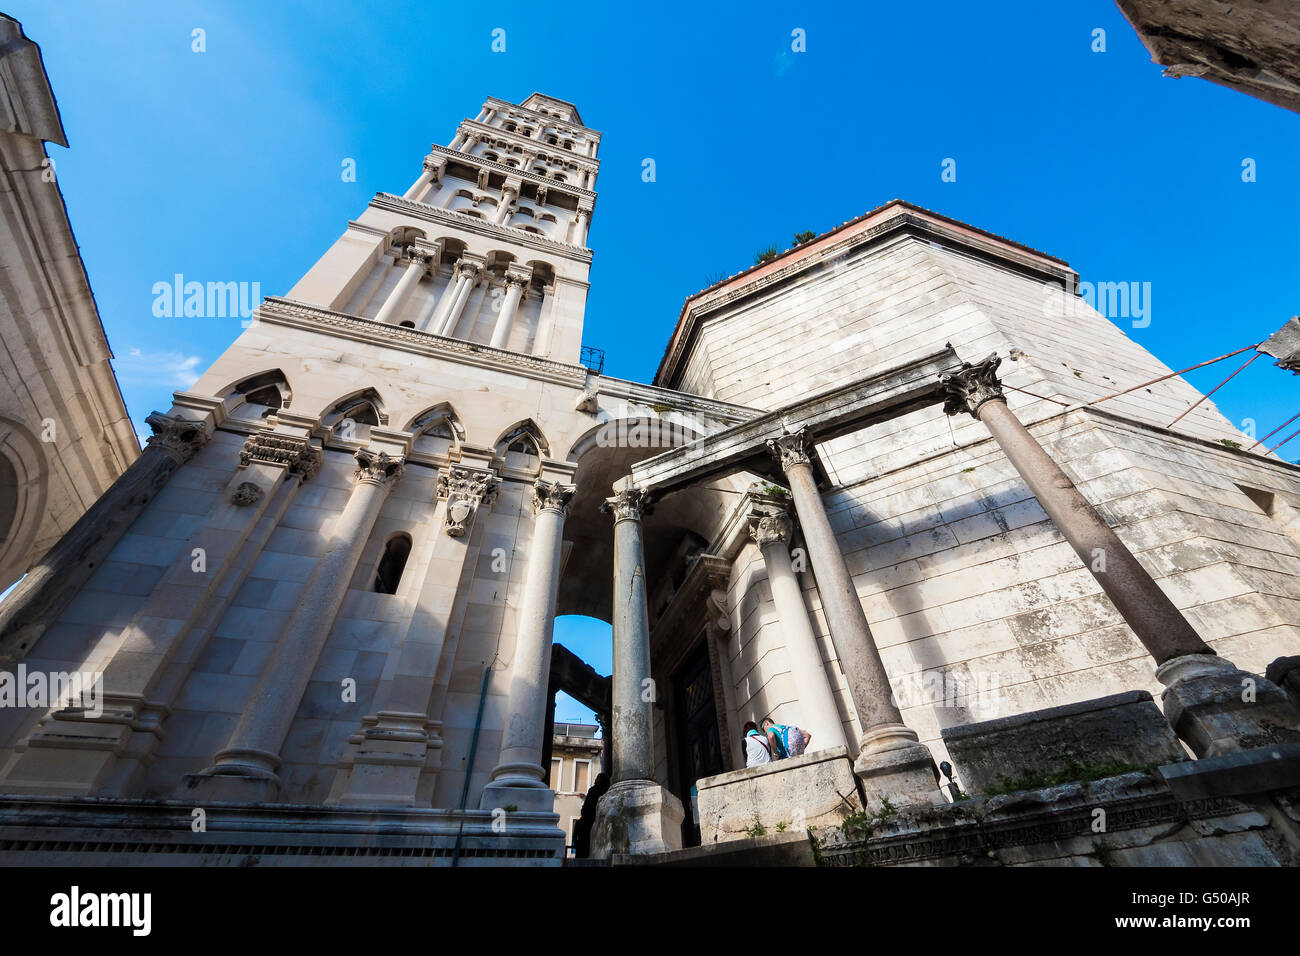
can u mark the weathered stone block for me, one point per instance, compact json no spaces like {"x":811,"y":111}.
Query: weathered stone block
{"x":1119,"y":731}
{"x":816,"y":789}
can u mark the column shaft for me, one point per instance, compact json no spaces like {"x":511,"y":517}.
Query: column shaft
{"x":856,"y":648}
{"x":633,"y":697}
{"x":501,"y":332}
{"x":817,"y":712}
{"x":397,"y":298}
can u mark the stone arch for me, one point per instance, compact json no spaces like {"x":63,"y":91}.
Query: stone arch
{"x":352,"y":416}
{"x":24,"y":488}
{"x":254,"y":397}
{"x":436,"y":431}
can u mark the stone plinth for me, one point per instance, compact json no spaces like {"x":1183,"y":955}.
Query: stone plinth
{"x":635,"y":817}
{"x":816,"y":789}
{"x":1122,"y":730}
{"x":1219,"y":709}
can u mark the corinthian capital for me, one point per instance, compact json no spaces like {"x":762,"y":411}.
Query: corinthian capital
{"x":552,"y":496}
{"x":768,"y":525}
{"x":378,"y":468}
{"x":467,"y":267}
{"x":790,"y":449}
{"x":465,"y":490}
{"x":178,"y":437}
{"x":294,"y":453}
{"x":971,"y":386}
{"x":630,"y":504}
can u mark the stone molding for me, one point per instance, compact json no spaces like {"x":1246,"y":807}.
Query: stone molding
{"x":971,"y":386}
{"x":571,"y":189}
{"x":552,"y":496}
{"x":466,"y":489}
{"x":294,"y":453}
{"x":378,"y":468}
{"x":573,"y":129}
{"x":304,"y":315}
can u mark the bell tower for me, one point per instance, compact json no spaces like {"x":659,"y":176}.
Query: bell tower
{"x":488,"y":245}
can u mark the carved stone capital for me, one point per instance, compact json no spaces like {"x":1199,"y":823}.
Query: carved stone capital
{"x":630,"y":504}
{"x":294,"y":453}
{"x":417,"y":257}
{"x":768,"y":525}
{"x":791,"y":449}
{"x":178,"y":437}
{"x":587,"y":402}
{"x":971,"y":386}
{"x":378,"y":468}
{"x":465,"y":489}
{"x":468,"y":267}
{"x":552,"y":496}
{"x":519,"y":281}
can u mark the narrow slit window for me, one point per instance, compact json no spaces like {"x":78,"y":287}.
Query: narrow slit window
{"x":391,"y":565}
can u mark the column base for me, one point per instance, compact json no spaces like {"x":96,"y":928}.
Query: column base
{"x":634,"y":817}
{"x":896,"y":769}
{"x":72,"y":753}
{"x":518,"y":785}
{"x":1216,"y":708}
{"x":384,"y":761}
{"x":239,"y":776}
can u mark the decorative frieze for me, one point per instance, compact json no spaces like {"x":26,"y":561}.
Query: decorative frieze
{"x":466,"y":489}
{"x":972,"y":386}
{"x":291,"y":451}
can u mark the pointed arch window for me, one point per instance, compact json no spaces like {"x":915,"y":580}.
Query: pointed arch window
{"x":391,"y":565}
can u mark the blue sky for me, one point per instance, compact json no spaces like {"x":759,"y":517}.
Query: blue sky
{"x":225,"y":165}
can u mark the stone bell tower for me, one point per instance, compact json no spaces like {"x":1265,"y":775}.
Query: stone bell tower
{"x":524,"y":172}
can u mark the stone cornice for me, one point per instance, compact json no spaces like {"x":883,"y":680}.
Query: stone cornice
{"x":497,"y":104}
{"x":277,"y":311}
{"x":899,"y":220}
{"x":437,"y":214}
{"x":475,"y":128}
{"x":577,"y":192}
{"x":641,"y":394}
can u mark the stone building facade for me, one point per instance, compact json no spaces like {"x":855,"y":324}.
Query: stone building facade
{"x":576,"y":754}
{"x":64,"y":431}
{"x":327,"y":622}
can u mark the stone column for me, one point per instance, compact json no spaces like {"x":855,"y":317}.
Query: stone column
{"x":368,"y":288}
{"x":518,"y":777}
{"x":508,"y":195}
{"x":1203,"y":696}
{"x":771,"y":528}
{"x":246,"y":769}
{"x":399,"y":745}
{"x":516,"y":283}
{"x":416,"y":264}
{"x":892,"y":764}
{"x":39,"y":598}
{"x":578,"y":229}
{"x":636,"y":815}
{"x":466,"y":272}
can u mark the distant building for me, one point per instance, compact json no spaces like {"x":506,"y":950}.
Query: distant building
{"x":575,"y":761}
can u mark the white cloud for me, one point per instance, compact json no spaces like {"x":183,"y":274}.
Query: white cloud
{"x":170,"y":369}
